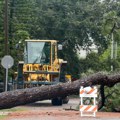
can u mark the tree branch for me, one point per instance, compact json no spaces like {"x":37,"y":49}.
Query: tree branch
{"x":102,"y":103}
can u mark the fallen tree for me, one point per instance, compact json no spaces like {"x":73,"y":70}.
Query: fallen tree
{"x":24,"y":96}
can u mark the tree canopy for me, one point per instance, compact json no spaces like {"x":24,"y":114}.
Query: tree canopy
{"x":74,"y":23}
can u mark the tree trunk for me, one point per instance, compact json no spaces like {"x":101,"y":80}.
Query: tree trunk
{"x":24,"y":96}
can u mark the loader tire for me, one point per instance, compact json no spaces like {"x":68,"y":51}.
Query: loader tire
{"x":57,"y":101}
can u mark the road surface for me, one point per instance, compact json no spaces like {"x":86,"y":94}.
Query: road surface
{"x":43,"y":110}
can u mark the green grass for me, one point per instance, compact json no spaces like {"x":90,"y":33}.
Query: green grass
{"x":2,"y":117}
{"x":13,"y":110}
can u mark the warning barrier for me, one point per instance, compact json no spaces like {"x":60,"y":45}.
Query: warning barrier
{"x":88,"y":108}
{"x":90,"y":92}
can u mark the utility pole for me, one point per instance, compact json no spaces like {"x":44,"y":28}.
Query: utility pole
{"x":112,"y":50}
{"x":6,"y":35}
{"x":6,"y":27}
{"x":116,"y":46}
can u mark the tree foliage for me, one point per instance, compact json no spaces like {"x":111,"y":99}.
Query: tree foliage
{"x":74,"y":23}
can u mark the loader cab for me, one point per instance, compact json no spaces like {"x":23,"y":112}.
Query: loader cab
{"x":40,"y":51}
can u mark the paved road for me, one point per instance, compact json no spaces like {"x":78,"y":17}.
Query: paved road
{"x":46,"y":104}
{"x":43,"y":110}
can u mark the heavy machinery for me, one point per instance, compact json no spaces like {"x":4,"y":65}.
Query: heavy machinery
{"x":41,"y":66}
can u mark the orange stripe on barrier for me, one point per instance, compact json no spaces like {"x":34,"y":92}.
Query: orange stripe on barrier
{"x":87,"y":108}
{"x":82,"y":91}
{"x":81,"y":106}
{"x":94,"y":109}
{"x":90,"y":91}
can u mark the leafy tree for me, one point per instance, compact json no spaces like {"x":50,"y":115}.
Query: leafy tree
{"x":74,"y":23}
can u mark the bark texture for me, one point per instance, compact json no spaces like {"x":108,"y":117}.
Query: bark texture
{"x":24,"y":96}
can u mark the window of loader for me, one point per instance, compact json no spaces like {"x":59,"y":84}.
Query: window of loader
{"x":38,"y":52}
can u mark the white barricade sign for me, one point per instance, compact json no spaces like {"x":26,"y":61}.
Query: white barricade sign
{"x":88,"y":92}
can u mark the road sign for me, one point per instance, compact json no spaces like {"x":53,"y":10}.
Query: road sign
{"x":7,"y":61}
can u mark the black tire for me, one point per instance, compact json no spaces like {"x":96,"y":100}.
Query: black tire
{"x":57,"y":101}
{"x":65,"y":100}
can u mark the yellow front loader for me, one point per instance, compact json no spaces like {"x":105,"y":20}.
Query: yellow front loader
{"x":41,"y":66}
